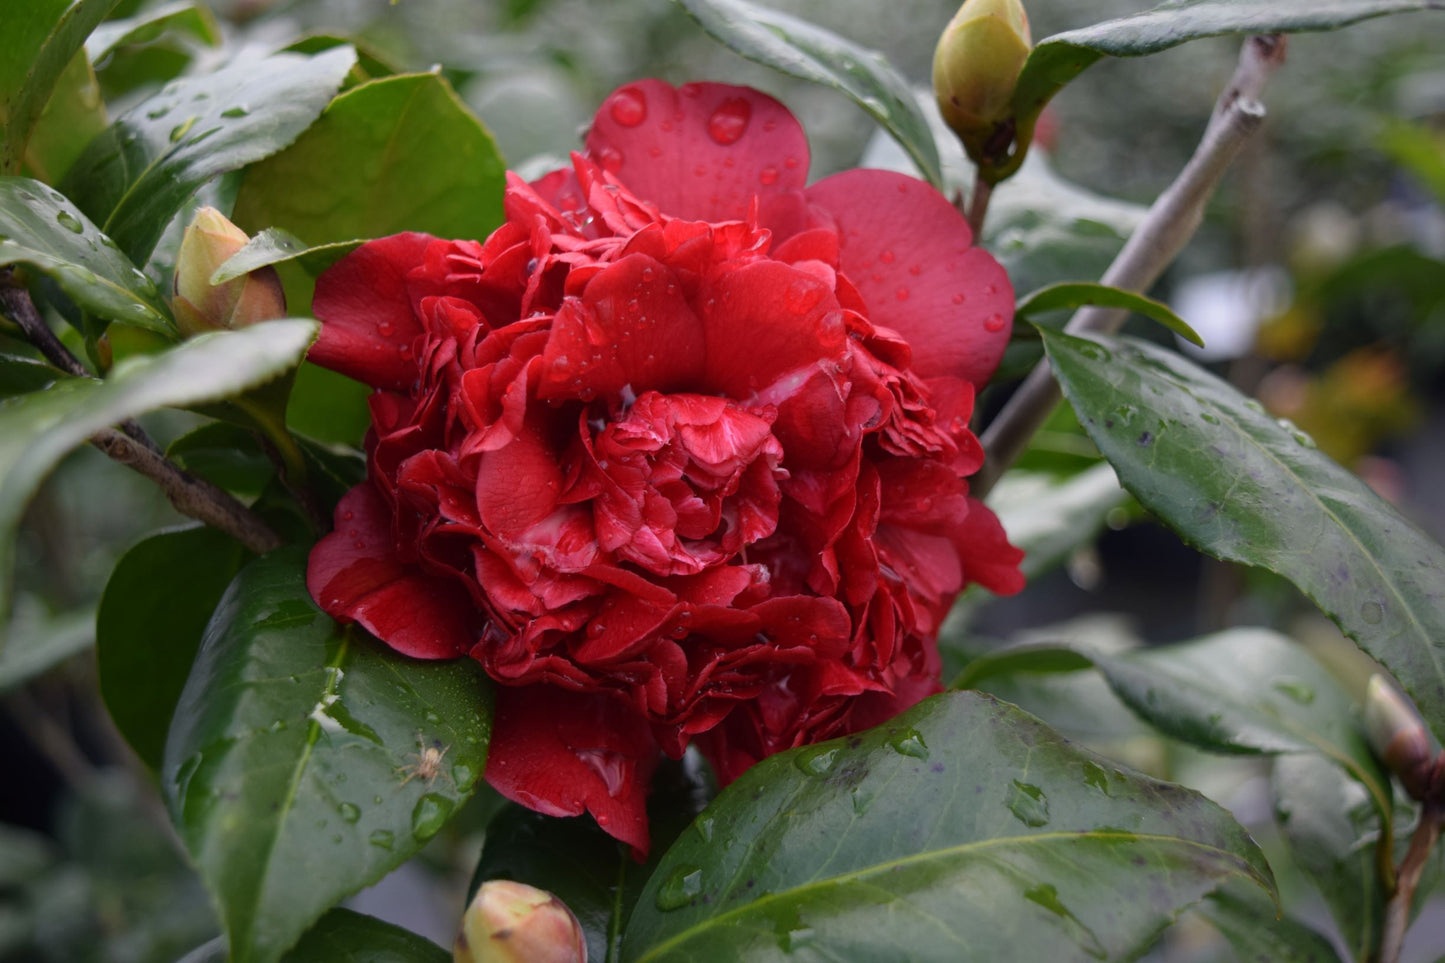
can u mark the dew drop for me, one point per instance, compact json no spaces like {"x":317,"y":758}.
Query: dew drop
{"x":1028,"y":802}
{"x":1254,"y":406}
{"x":768,"y":176}
{"x":70,"y":222}
{"x":382,"y":838}
{"x":994,"y":323}
{"x":1125,"y":413}
{"x":240,"y":110}
{"x":990,"y":289}
{"x":1094,"y":775}
{"x":429,"y":815}
{"x":629,"y":107}
{"x":681,"y":887}
{"x":1208,"y":419}
{"x":159,"y":112}
{"x":384,"y":328}
{"x":183,"y":128}
{"x":730,"y":121}
{"x":791,"y":163}
{"x":700,"y":170}
{"x":887,"y":257}
{"x":610,"y":158}
{"x":915,"y":270}
{"x":816,"y":761}
{"x":349,"y":812}
{"x":1295,"y":688}
{"x":901,"y":294}
{"x":960,"y":298}
{"x":908,"y":742}
{"x":654,"y":151}
{"x":703,"y":828}
{"x":1372,"y":612}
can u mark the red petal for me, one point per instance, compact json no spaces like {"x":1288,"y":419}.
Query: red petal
{"x":763,"y":320}
{"x":565,"y":753}
{"x":355,"y":576}
{"x":703,"y":151}
{"x":987,"y":556}
{"x":367,"y":312}
{"x":518,"y":484}
{"x":909,"y":253}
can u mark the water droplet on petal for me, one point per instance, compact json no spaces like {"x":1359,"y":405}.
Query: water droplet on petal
{"x":629,"y":107}
{"x":384,"y":328}
{"x":790,"y":163}
{"x":611,"y":159}
{"x":960,"y":298}
{"x":994,"y":323}
{"x":887,"y":257}
{"x":768,"y":176}
{"x":730,"y":121}
{"x":901,"y":294}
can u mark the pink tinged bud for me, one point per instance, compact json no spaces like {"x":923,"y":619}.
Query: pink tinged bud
{"x":200,"y":306}
{"x":1398,"y":736}
{"x":976,"y":67}
{"x":511,"y":922}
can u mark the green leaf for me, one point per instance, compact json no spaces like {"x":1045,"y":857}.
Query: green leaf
{"x":290,"y":767}
{"x":1253,"y":929}
{"x":809,"y":52}
{"x":135,"y":177}
{"x":396,"y":154}
{"x":1419,"y":150}
{"x":275,"y":246}
{"x":39,"y":642}
{"x":225,"y":455}
{"x":962,"y":830}
{"x":73,"y":116}
{"x":41,"y":229}
{"x":1059,"y":59}
{"x":1243,"y":488}
{"x":152,"y":615}
{"x":1243,"y":690}
{"x":41,"y":37}
{"x":343,"y":936}
{"x":1071,"y":295}
{"x":1050,"y":519}
{"x":590,"y":871}
{"x":38,"y":429}
{"x":188,"y":18}
{"x":1333,"y":832}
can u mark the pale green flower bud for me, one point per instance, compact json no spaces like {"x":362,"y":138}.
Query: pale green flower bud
{"x":200,"y":306}
{"x":1398,"y":736}
{"x":511,"y":922}
{"x":975,"y":69}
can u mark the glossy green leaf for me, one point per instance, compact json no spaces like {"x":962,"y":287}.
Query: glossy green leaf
{"x":188,"y":18}
{"x":1248,"y":921}
{"x":41,"y":229}
{"x":135,"y":177}
{"x":20,"y":375}
{"x":1332,"y":830}
{"x":343,"y":936}
{"x":1243,"y":690}
{"x":587,"y":869}
{"x":1059,"y":59}
{"x":275,"y":246}
{"x":1241,"y":487}
{"x":38,"y":429}
{"x":396,"y":154}
{"x":73,"y":116}
{"x":152,"y":615}
{"x":1071,"y":295}
{"x":41,"y":37}
{"x":809,"y":52}
{"x":40,"y":641}
{"x":963,"y":830}
{"x":291,"y":767}
{"x":225,"y":455}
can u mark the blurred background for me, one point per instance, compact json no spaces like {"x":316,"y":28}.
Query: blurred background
{"x":1318,"y":281}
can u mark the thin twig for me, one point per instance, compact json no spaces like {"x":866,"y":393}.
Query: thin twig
{"x":1167,"y":227}
{"x":1397,"y":911}
{"x":132,"y":447}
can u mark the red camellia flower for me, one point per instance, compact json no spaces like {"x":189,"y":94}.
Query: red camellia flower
{"x":677,"y":454}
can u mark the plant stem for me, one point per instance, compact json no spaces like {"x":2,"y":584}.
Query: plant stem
{"x":978,"y":206}
{"x":1167,"y":227}
{"x":131,"y":446}
{"x":1397,"y":912}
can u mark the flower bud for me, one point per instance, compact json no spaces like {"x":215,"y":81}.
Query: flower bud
{"x":977,"y":64}
{"x":200,"y":306}
{"x":1398,"y":736}
{"x":511,"y":922}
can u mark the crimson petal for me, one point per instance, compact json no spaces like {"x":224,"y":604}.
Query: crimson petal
{"x":356,"y":576}
{"x":910,"y":254}
{"x":564,"y":753}
{"x":702,"y":151}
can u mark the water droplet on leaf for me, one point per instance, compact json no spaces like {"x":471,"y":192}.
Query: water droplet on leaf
{"x":816,"y":761}
{"x":429,"y":815}
{"x":681,"y":887}
{"x":349,"y":812}
{"x":382,"y":838}
{"x":1297,"y":689}
{"x":1372,"y":612}
{"x":70,"y":222}
{"x":908,"y":742}
{"x":1028,"y":802}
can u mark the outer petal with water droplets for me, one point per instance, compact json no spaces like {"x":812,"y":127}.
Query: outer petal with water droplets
{"x":911,"y":256}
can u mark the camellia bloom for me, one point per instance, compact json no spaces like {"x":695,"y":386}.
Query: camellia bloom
{"x":677,"y":454}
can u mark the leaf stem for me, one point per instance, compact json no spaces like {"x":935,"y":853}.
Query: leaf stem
{"x":131,"y":446}
{"x":978,"y":206}
{"x":1397,"y":912}
{"x":1168,"y":226}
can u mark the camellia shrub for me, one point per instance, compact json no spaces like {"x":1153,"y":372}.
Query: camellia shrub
{"x":645,"y":499}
